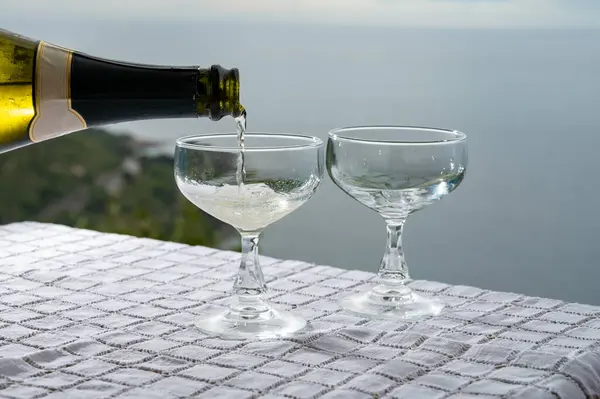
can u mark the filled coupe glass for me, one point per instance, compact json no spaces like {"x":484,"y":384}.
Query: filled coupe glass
{"x":249,"y":189}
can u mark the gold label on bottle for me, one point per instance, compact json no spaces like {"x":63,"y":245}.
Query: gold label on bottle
{"x":54,"y":115}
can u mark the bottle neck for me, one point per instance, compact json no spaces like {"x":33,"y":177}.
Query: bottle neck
{"x":107,"y":92}
{"x":218,"y":93}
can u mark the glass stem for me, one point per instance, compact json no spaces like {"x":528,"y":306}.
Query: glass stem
{"x":250,"y":283}
{"x":393,"y":269}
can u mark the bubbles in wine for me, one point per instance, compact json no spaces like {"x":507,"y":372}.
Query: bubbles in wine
{"x":259,"y":205}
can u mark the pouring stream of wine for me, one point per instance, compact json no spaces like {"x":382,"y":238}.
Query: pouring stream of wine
{"x":241,"y":167}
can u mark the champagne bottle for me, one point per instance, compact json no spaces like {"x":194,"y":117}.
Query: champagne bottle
{"x":47,"y":91}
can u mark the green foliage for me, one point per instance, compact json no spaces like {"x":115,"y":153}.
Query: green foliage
{"x":100,"y":181}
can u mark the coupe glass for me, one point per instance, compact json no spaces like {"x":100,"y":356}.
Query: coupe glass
{"x":395,"y":171}
{"x":282,"y":171}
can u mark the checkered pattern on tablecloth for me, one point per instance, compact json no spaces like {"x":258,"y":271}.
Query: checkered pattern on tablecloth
{"x":92,"y":315}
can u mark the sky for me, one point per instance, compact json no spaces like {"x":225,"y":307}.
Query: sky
{"x":424,"y":13}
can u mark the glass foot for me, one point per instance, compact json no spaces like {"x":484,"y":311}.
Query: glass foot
{"x":391,"y":302}
{"x":250,"y":322}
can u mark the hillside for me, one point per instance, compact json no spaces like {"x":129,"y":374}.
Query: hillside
{"x":96,"y":180}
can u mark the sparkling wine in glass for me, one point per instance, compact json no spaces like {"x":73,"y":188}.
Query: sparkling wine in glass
{"x":395,"y":171}
{"x":281,"y":172}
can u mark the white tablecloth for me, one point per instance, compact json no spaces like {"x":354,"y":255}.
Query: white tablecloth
{"x":91,"y":315}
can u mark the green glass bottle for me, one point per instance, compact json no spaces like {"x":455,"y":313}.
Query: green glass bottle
{"x":47,"y":91}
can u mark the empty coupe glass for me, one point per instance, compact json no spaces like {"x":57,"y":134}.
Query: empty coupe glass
{"x":395,"y":171}
{"x":281,"y":172}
